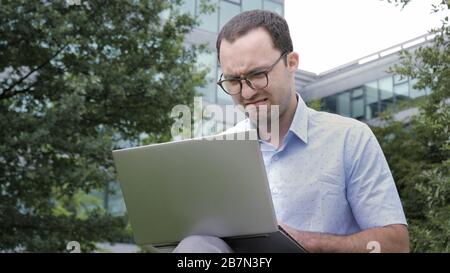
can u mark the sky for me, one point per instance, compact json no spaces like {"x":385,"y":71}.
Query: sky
{"x":330,"y":33}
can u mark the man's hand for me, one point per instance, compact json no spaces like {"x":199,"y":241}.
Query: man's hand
{"x":391,"y":238}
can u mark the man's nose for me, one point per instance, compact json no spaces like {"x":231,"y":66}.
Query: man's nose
{"x":247,"y":91}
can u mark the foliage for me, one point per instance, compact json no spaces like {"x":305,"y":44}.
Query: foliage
{"x":77,"y":81}
{"x":419,"y":152}
{"x":315,"y":104}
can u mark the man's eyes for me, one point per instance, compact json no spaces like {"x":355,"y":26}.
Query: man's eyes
{"x":256,"y":75}
{"x":232,"y":81}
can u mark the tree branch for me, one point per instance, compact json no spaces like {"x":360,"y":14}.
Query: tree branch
{"x":26,"y":90}
{"x":5,"y":94}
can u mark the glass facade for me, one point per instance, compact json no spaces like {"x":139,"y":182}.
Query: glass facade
{"x":208,"y":20}
{"x":273,"y":6}
{"x":208,"y":60}
{"x":343,"y":103}
{"x":369,"y":100}
{"x":188,"y":6}
{"x":414,"y":92}
{"x":250,"y":5}
{"x":386,"y":90}
{"x":357,"y":107}
{"x":227,"y":11}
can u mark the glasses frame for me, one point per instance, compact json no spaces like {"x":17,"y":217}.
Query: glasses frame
{"x":247,"y":81}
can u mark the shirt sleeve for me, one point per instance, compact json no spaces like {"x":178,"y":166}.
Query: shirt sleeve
{"x":371,"y":191}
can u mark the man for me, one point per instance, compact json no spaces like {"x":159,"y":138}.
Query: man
{"x":331,"y":186}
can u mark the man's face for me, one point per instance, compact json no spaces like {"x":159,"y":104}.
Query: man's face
{"x":255,"y":52}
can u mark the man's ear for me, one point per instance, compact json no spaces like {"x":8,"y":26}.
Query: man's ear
{"x":292,"y":61}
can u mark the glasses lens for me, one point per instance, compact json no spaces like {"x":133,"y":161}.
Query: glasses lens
{"x":231,"y":86}
{"x":258,"y":80}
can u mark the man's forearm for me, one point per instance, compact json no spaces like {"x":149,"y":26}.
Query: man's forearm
{"x":393,"y":238}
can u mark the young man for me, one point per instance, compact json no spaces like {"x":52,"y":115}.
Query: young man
{"x":331,"y":186}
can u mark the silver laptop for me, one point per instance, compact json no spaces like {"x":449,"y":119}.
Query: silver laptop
{"x":202,"y":186}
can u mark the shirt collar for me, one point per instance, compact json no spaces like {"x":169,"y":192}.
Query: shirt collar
{"x":299,"y":125}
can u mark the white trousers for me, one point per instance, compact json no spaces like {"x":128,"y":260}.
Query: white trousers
{"x":202,"y":244}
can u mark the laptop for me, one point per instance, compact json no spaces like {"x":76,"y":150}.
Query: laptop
{"x":213,"y":186}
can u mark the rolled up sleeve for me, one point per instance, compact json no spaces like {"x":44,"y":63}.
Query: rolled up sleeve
{"x":371,"y":191}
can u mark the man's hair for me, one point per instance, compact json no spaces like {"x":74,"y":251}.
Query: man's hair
{"x":244,"y":22}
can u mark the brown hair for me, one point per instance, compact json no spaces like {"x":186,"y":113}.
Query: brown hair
{"x":244,"y":22}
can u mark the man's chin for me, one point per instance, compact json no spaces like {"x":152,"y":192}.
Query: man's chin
{"x":263,"y":115}
{"x":258,"y":116}
{"x":251,"y":108}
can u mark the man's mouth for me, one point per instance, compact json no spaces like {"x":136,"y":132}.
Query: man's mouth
{"x":258,"y":102}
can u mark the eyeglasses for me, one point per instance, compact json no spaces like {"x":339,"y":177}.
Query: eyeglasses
{"x":255,"y":80}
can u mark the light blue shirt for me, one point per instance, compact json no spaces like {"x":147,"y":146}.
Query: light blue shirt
{"x":330,"y":175}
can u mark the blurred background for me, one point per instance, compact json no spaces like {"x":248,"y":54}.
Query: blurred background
{"x":79,"y":78}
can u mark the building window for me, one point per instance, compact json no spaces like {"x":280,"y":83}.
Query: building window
{"x":234,"y":1}
{"x":401,"y":91}
{"x":415,"y":93}
{"x":357,"y":106}
{"x":372,"y":109}
{"x":329,"y":104}
{"x":251,"y":4}
{"x":188,"y":6}
{"x":273,"y":6}
{"x":385,"y":86}
{"x":113,"y":199}
{"x":343,"y":104}
{"x":401,"y":87}
{"x":398,"y":79}
{"x":227,"y":11}
{"x":208,"y":21}
{"x":366,"y":102}
{"x":208,"y":61}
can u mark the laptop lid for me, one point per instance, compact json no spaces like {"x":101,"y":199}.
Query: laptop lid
{"x":195,"y":187}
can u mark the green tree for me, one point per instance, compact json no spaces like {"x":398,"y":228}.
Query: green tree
{"x":315,"y":104}
{"x":76,"y":80}
{"x":419,"y":152}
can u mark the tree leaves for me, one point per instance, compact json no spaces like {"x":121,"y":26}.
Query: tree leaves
{"x":419,"y":152}
{"x":76,"y":82}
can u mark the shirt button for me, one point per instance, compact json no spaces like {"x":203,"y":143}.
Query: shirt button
{"x":275,"y":158}
{"x":274,"y":190}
